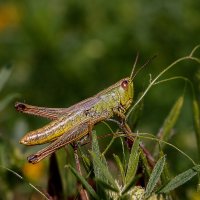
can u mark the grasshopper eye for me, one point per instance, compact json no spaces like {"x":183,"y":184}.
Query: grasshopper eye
{"x":124,"y":84}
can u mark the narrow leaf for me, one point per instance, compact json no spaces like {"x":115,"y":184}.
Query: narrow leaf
{"x":165,"y":176}
{"x":171,"y":119}
{"x":95,"y":149}
{"x":20,"y":177}
{"x":120,"y":166}
{"x":123,"y":152}
{"x":105,"y":174}
{"x":196,"y":121}
{"x":133,"y":161}
{"x":155,"y":175}
{"x":145,"y":163}
{"x":85,"y":184}
{"x":4,"y":75}
{"x":180,"y":179}
{"x":131,"y":183}
{"x":86,"y":162}
{"x":106,"y":185}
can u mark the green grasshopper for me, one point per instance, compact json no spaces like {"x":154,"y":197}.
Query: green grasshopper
{"x":71,"y":124}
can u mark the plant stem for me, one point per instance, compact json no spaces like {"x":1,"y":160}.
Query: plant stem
{"x":83,"y":192}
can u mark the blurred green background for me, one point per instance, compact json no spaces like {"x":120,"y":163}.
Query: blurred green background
{"x":63,"y":51}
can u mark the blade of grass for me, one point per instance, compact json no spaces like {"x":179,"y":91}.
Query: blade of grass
{"x":105,"y":173}
{"x":4,"y":75}
{"x":96,"y":151}
{"x":180,"y":179}
{"x":86,"y":161}
{"x":189,"y":57}
{"x":85,"y":184}
{"x":132,"y":178}
{"x":145,"y":163}
{"x":123,"y":151}
{"x":20,"y":177}
{"x":120,"y":166}
{"x":108,"y":146}
{"x":106,"y":185}
{"x":112,"y":140}
{"x":171,"y":119}
{"x":152,"y":137}
{"x":133,"y":161}
{"x":155,"y":175}
{"x":165,"y":176}
{"x":196,"y":122}
{"x":132,"y":183}
{"x":196,"y":119}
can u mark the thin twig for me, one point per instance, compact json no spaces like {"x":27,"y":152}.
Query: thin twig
{"x":190,"y":57}
{"x":83,"y":192}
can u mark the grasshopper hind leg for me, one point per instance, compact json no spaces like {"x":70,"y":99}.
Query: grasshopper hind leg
{"x":71,"y":136}
{"x":49,"y":113}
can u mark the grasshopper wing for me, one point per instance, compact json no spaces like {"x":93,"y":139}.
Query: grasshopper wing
{"x":71,"y":136}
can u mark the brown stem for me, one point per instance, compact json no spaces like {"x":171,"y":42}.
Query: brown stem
{"x":83,"y":192}
{"x":130,"y":138}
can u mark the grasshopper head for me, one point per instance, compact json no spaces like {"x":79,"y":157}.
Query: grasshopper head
{"x":126,"y":92}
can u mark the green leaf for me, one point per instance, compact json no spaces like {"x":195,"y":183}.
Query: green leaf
{"x":120,"y":166}
{"x":22,"y":178}
{"x":131,"y":183}
{"x":86,"y":162}
{"x":103,"y":170}
{"x":95,"y":149}
{"x":105,"y":185}
{"x":145,"y":163}
{"x":123,"y":151}
{"x":171,"y":119}
{"x":85,"y":184}
{"x":155,"y":175}
{"x":133,"y":161}
{"x":180,"y":179}
{"x":4,"y":75}
{"x":196,"y":121}
{"x":165,"y":176}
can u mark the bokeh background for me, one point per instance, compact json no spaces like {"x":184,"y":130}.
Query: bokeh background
{"x":63,"y":51}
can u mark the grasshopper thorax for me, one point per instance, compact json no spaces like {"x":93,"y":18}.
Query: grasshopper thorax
{"x":126,"y":92}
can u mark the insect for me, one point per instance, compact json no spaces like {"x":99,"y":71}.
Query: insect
{"x":74,"y":123}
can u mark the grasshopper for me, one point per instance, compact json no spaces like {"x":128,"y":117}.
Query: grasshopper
{"x":71,"y":124}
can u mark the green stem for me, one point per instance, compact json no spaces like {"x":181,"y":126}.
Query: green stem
{"x":190,"y":57}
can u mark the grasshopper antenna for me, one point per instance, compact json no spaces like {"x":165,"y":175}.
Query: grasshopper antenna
{"x":145,"y":64}
{"x":134,"y":66}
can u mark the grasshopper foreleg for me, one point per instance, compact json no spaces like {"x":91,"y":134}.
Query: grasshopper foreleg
{"x":130,"y":137}
{"x":69,"y":137}
{"x":123,"y":125}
